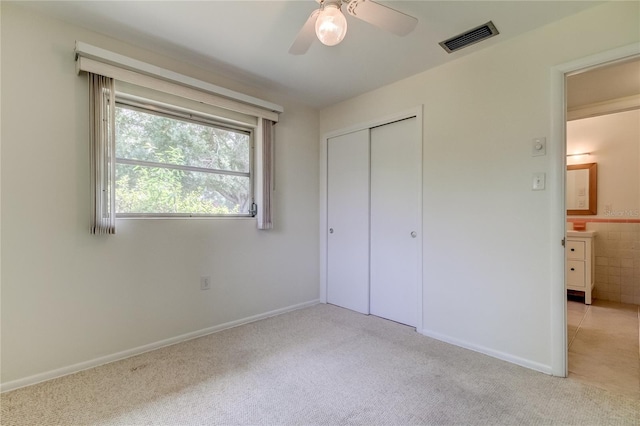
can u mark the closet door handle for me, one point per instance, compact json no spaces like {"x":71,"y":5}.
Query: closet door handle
{"x":414,"y":234}
{"x":331,"y":230}
{"x":573,"y":269}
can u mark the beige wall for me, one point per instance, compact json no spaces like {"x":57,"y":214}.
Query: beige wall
{"x":614,"y":143}
{"x":487,"y":239}
{"x":69,"y":297}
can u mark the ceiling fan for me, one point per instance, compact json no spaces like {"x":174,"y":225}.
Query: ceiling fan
{"x":330,"y":25}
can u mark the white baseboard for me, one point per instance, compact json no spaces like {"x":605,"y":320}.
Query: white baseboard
{"x":71,"y":369}
{"x":488,"y":351}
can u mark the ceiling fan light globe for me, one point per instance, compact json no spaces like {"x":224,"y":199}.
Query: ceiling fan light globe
{"x":331,"y":25}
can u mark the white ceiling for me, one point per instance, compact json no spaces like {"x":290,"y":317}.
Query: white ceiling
{"x":249,"y":40}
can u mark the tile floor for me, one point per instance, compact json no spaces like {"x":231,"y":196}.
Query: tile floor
{"x":604,"y":345}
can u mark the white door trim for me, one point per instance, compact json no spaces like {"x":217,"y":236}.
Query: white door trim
{"x":559,"y":350}
{"x":413,"y":112}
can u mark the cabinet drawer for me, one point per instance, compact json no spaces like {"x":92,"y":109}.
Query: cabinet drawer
{"x":575,"y":249}
{"x":575,"y":274}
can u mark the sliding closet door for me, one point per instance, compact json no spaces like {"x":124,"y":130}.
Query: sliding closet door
{"x":396,"y":176}
{"x":348,"y":221}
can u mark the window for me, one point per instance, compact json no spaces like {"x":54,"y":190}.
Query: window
{"x":170,"y":163}
{"x":185,"y":147}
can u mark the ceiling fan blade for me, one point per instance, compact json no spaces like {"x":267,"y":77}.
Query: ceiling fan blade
{"x":306,"y":36}
{"x":382,"y":16}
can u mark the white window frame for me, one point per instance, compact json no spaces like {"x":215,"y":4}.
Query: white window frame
{"x":176,"y":113}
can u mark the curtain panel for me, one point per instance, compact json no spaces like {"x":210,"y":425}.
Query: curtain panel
{"x":265,"y":220}
{"x":102,"y":153}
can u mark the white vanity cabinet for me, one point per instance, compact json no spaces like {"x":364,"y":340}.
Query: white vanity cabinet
{"x":580,"y":262}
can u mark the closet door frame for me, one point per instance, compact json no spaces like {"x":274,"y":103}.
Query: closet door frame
{"x":413,"y":112}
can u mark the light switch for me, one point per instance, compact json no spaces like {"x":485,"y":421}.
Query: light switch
{"x":539,"y":146}
{"x":538,"y":181}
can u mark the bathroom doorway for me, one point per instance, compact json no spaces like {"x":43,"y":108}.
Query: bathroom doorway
{"x":603,"y":134}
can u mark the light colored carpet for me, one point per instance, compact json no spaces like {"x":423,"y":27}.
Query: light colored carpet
{"x":320,"y":365}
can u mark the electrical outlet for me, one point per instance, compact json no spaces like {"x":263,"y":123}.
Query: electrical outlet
{"x":205,"y":283}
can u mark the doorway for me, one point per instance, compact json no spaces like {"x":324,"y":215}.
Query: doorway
{"x":603,"y":113}
{"x":559,"y":361}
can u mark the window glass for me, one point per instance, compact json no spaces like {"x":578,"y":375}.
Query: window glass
{"x":171,"y":165}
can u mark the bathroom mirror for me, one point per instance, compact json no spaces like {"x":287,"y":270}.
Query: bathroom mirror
{"x":582,"y":189}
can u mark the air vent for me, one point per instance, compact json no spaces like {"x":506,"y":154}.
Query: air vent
{"x":473,"y":36}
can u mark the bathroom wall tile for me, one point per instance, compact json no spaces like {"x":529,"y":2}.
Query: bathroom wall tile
{"x":625,"y":298}
{"x":628,"y":281}
{"x":603,"y":295}
{"x":617,"y":261}
{"x":625,"y":263}
{"x":614,"y":297}
{"x":611,"y":244}
{"x":626,"y":245}
{"x":626,"y":272}
{"x":601,"y":277}
{"x":626,"y":254}
{"x":614,"y":288}
{"x":611,"y":253}
{"x":627,"y":289}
